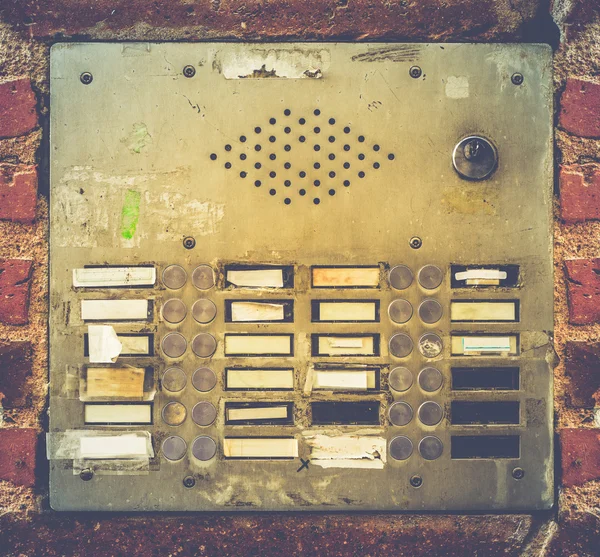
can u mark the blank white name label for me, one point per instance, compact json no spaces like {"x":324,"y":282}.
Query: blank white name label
{"x":257,"y":413}
{"x":113,"y":446}
{"x":114,"y":310}
{"x":260,"y":447}
{"x":257,"y":345}
{"x":118,"y":413}
{"x":242,"y":379}
{"x":347,"y":311}
{"x":483,"y":311}
{"x":266,"y":278}
{"x":106,"y":277}
{"x":256,"y":311}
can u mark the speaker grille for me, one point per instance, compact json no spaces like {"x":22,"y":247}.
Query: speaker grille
{"x":309,"y":155}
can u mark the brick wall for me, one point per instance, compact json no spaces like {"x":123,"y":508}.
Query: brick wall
{"x":28,"y":27}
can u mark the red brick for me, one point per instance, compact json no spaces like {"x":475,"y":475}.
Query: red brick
{"x":18,"y":193}
{"x":15,"y":284}
{"x":578,"y":11}
{"x":18,"y":454}
{"x":583,"y":367}
{"x":425,"y":19}
{"x":580,"y":108}
{"x":580,"y":192}
{"x":15,"y":368}
{"x":18,"y":114}
{"x":580,"y":455}
{"x":583,"y":289}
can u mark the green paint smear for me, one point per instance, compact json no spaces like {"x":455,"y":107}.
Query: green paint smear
{"x":130,"y":214}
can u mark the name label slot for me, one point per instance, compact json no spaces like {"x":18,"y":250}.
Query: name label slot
{"x":114,"y":277}
{"x":260,"y":447}
{"x":344,"y":311}
{"x":345,"y":379}
{"x":259,"y":413}
{"x":345,"y":345}
{"x":262,"y":276}
{"x":249,"y":344}
{"x":482,"y":276}
{"x":116,"y":310}
{"x":118,"y":414}
{"x":345,"y":277}
{"x":113,"y":446}
{"x":265,"y":311}
{"x":475,"y":311}
{"x":485,"y":378}
{"x":114,"y":383}
{"x":485,"y":446}
{"x":484,"y":413}
{"x":133,"y":344}
{"x":345,"y":413}
{"x":238,"y":379}
{"x":485,"y":345}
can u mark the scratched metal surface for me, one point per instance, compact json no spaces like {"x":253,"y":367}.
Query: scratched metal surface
{"x":143,"y":133}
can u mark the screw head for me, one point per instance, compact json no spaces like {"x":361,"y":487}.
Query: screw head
{"x":517,"y":78}
{"x":189,"y":242}
{"x":189,"y":481}
{"x":518,"y":473}
{"x":416,"y":481}
{"x":415,"y":72}
{"x":86,"y":78}
{"x":189,"y":71}
{"x":415,"y":242}
{"x":86,"y":474}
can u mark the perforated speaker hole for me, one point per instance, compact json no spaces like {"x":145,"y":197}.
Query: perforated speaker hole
{"x":301,"y":153}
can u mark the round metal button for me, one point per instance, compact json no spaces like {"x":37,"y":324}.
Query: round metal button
{"x":400,"y":311}
{"x":400,"y":379}
{"x":401,"y":345}
{"x":204,"y":448}
{"x":174,"y":311}
{"x":204,"y":413}
{"x":430,"y":379}
{"x":204,"y":379}
{"x":430,"y":277}
{"x":401,"y":277}
{"x":475,"y":158}
{"x":430,"y":311}
{"x":174,"y":277}
{"x":174,"y":413}
{"x":204,"y":345}
{"x":431,"y":447}
{"x":401,"y":447}
{"x":174,"y":345}
{"x":401,"y":413}
{"x":430,"y":413}
{"x":173,"y":380}
{"x":204,"y":311}
{"x":174,"y":448}
{"x":203,"y":277}
{"x":430,"y":345}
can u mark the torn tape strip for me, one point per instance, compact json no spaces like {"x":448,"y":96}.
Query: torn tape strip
{"x":121,"y":467}
{"x":99,"y":444}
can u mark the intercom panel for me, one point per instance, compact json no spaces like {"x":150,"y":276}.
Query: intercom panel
{"x":301,"y":276}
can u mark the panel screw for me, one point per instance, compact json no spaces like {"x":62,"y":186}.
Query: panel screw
{"x":416,"y":481}
{"x":518,"y":473}
{"x":415,"y":242}
{"x":189,"y":242}
{"x":517,"y":78}
{"x":189,"y":71}
{"x":86,"y":474}
{"x":86,"y":78}
{"x":415,"y":72}
{"x":188,"y":481}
